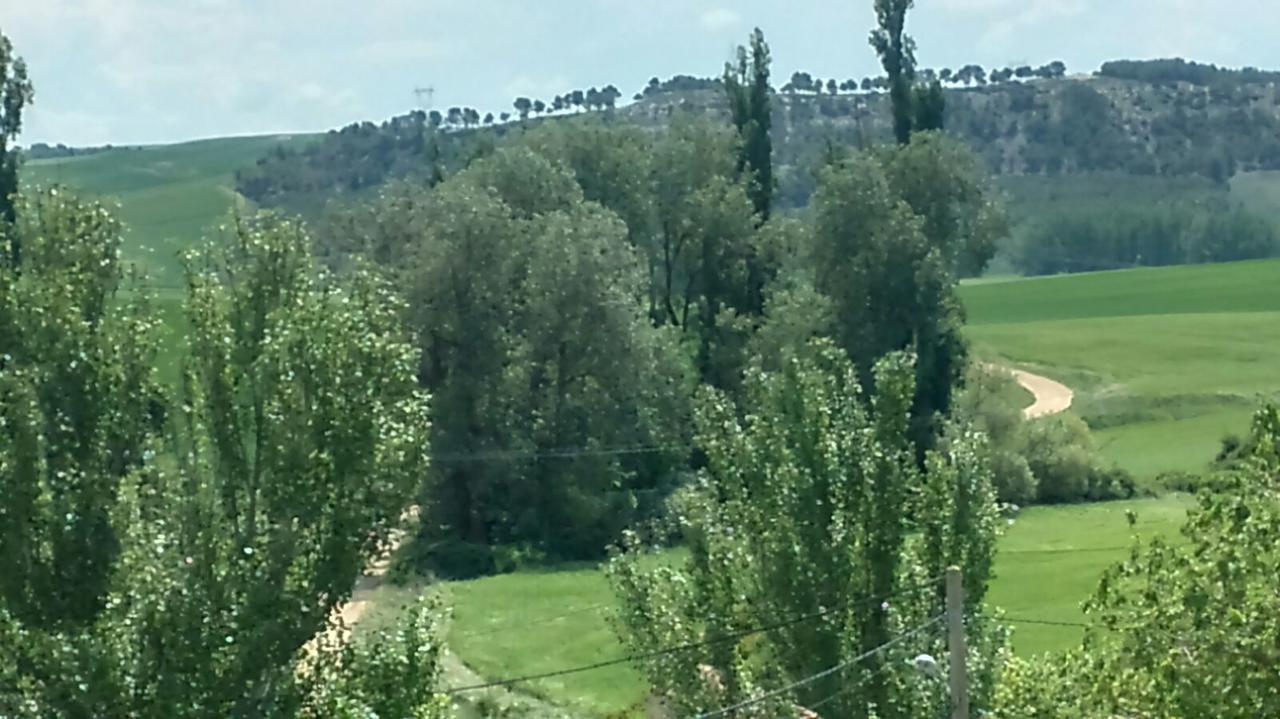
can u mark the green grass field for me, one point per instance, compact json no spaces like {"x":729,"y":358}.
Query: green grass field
{"x":537,"y":621}
{"x":170,"y":195}
{"x":1164,"y":361}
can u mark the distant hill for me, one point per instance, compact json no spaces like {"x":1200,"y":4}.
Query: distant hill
{"x":1159,"y":118}
{"x":169,"y":195}
{"x":1151,"y":138}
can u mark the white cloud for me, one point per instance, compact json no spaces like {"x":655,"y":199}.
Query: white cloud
{"x":720,"y":18}
{"x":1012,"y":18}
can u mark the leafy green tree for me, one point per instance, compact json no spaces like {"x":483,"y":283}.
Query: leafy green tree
{"x":811,"y":505}
{"x":1183,"y":628}
{"x":747,"y":87}
{"x":801,"y":81}
{"x":523,"y":105}
{"x":393,"y":673}
{"x":15,"y":94}
{"x":897,"y":54}
{"x":613,"y":164}
{"x":945,"y":184}
{"x":686,"y":214}
{"x":301,"y":437}
{"x":892,"y":230}
{"x":536,"y":345}
{"x":929,"y":106}
{"x":609,"y":96}
{"x":79,"y":406}
{"x":706,"y":254}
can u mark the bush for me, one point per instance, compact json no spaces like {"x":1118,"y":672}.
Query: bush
{"x":1013,"y":479}
{"x":1189,"y":482}
{"x":1061,"y":455}
{"x":1058,"y":451}
{"x":453,"y":559}
{"x":1111,"y":483}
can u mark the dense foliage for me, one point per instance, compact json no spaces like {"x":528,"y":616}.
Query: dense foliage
{"x":564,"y":287}
{"x":15,"y":94}
{"x":542,"y":360}
{"x":182,"y":577}
{"x":45,"y":151}
{"x":891,"y":230}
{"x":1108,"y":239}
{"x":812,"y":507}
{"x":569,"y":289}
{"x":747,"y":87}
{"x":1181,"y":628}
{"x":1179,"y":70}
{"x":79,"y":405}
{"x":358,"y":157}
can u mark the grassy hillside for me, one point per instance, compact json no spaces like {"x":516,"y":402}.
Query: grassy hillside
{"x":169,"y":195}
{"x":1164,"y":361}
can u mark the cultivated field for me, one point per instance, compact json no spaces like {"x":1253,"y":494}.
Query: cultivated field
{"x":169,"y":195}
{"x":1164,"y":361}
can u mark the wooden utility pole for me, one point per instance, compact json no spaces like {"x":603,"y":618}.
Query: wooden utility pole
{"x":957,"y":645}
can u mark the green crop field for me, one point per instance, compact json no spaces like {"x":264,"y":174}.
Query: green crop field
{"x":169,"y":195}
{"x":1164,"y":361}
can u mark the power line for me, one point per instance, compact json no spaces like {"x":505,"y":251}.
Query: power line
{"x":1043,"y":622}
{"x":822,"y":674}
{"x":568,"y":452}
{"x":731,"y":636}
{"x":845,"y":690}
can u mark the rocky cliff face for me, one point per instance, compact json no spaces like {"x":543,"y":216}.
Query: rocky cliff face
{"x":1044,"y":127}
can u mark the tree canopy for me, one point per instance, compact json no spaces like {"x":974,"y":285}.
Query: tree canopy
{"x":195,"y":566}
{"x":15,"y":94}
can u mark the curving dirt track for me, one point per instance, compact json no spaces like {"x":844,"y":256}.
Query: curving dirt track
{"x":1051,"y":397}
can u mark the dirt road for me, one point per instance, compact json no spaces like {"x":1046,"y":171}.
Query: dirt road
{"x":1051,"y":397}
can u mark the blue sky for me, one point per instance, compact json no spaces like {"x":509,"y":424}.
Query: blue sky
{"x":139,"y":71}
